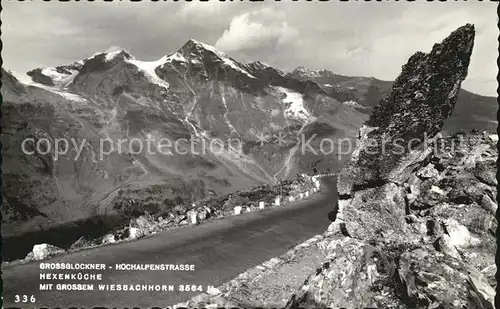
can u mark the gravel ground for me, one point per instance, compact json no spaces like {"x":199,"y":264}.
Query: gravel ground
{"x":273,"y":288}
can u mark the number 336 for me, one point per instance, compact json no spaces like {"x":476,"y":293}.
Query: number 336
{"x":25,"y":299}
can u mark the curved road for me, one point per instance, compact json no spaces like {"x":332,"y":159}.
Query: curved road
{"x":219,"y":249}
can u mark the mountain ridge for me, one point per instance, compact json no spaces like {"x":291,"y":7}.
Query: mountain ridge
{"x":197,"y":94}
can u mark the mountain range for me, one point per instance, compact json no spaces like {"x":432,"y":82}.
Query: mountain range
{"x":197,"y":95}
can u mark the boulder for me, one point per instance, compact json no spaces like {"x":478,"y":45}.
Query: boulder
{"x":135,"y":233}
{"x":485,"y":171}
{"x":213,"y":291}
{"x":121,"y":234}
{"x":237,"y":210}
{"x":428,"y":172}
{"x":377,"y":213}
{"x":43,"y":251}
{"x":180,"y":219}
{"x":108,"y":239}
{"x":203,"y":213}
{"x":488,"y":204}
{"x":144,"y":223}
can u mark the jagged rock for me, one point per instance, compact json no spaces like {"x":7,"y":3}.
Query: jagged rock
{"x":82,"y":242}
{"x":422,"y":97}
{"x":142,"y":222}
{"x":108,"y":239}
{"x":203,"y":213}
{"x":457,"y":237}
{"x":412,"y":220}
{"x":465,"y":189}
{"x":135,"y":233}
{"x":481,"y":291}
{"x":494,"y":138}
{"x":122,"y":234}
{"x":145,"y":224}
{"x":485,"y":172}
{"x":428,"y":172}
{"x":180,"y":219}
{"x":428,"y":195}
{"x":180,"y":209}
{"x":431,"y":280}
{"x":488,"y":204}
{"x":375,"y":213}
{"x":489,"y":273}
{"x":413,"y":185}
{"x":354,"y":277}
{"x":199,"y":300}
{"x":43,"y":251}
{"x":213,"y":291}
{"x":166,"y":222}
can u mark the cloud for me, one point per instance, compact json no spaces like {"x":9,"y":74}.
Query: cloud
{"x":113,"y":49}
{"x":262,"y":30}
{"x":201,"y":10}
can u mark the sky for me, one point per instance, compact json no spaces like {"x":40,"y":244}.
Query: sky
{"x":372,"y":39}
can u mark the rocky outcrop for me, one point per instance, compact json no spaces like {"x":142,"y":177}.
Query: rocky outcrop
{"x":43,"y":251}
{"x":415,"y":226}
{"x":393,"y":140}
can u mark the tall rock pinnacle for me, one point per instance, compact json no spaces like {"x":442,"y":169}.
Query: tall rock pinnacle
{"x":405,"y":235}
{"x":422,"y":98}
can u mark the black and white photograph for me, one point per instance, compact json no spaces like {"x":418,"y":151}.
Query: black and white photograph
{"x":249,"y":154}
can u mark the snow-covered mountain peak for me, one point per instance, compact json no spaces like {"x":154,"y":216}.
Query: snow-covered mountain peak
{"x":303,"y":71}
{"x":62,"y":76}
{"x":204,"y":53}
{"x":192,"y":43}
{"x":121,"y":53}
